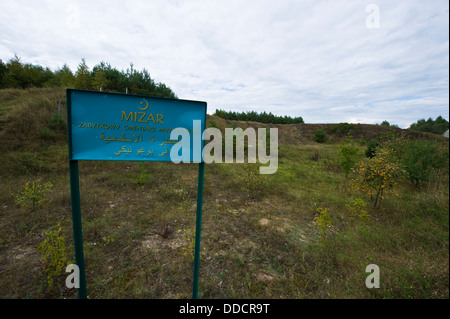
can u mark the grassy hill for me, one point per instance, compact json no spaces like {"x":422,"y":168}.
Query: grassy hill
{"x":301,"y":134}
{"x":260,"y":238}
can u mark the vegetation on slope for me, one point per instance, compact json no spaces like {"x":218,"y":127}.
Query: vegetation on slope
{"x":304,"y":232}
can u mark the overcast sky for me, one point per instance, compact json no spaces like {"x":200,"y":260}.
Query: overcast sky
{"x":327,"y":61}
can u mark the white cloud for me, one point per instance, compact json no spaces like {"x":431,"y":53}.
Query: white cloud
{"x":315,"y":59}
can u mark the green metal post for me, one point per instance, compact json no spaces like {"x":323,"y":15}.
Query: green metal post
{"x":77,"y":229}
{"x":198,"y":229}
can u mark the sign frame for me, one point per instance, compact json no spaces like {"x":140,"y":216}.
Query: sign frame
{"x":114,"y":123}
{"x":75,"y":184}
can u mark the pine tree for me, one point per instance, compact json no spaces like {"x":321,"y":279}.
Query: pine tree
{"x":83,"y":78}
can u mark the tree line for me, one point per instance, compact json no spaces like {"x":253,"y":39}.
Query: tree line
{"x":438,"y":126}
{"x":15,"y":74}
{"x":253,"y":116}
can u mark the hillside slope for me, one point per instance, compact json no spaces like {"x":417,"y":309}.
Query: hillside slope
{"x":297,"y":134}
{"x":303,"y":232}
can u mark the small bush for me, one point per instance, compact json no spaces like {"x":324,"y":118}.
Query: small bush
{"x":32,"y":194}
{"x":189,"y":240}
{"x":320,"y":136}
{"x":348,"y":154}
{"x":324,"y":223}
{"x":253,"y":183}
{"x":372,"y":148}
{"x":380,"y":174}
{"x":420,"y":158}
{"x":54,"y":254}
{"x":143,"y":177}
{"x":30,"y":163}
{"x":357,"y":208}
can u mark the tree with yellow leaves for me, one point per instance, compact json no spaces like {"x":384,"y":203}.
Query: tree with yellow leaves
{"x":380,"y":174}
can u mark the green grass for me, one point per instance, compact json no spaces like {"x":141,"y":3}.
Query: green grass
{"x":261,"y":246}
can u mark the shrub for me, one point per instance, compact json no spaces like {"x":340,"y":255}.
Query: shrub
{"x":320,"y":136}
{"x":372,"y":146}
{"x":348,"y":154}
{"x":143,"y":177}
{"x":32,"y":194}
{"x":357,"y":208}
{"x":53,"y":250}
{"x":380,"y":174}
{"x":324,"y":223}
{"x":420,"y":158}
{"x":189,"y":240}
{"x":253,"y":183}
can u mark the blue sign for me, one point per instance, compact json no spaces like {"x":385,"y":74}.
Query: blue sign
{"x":124,"y":127}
